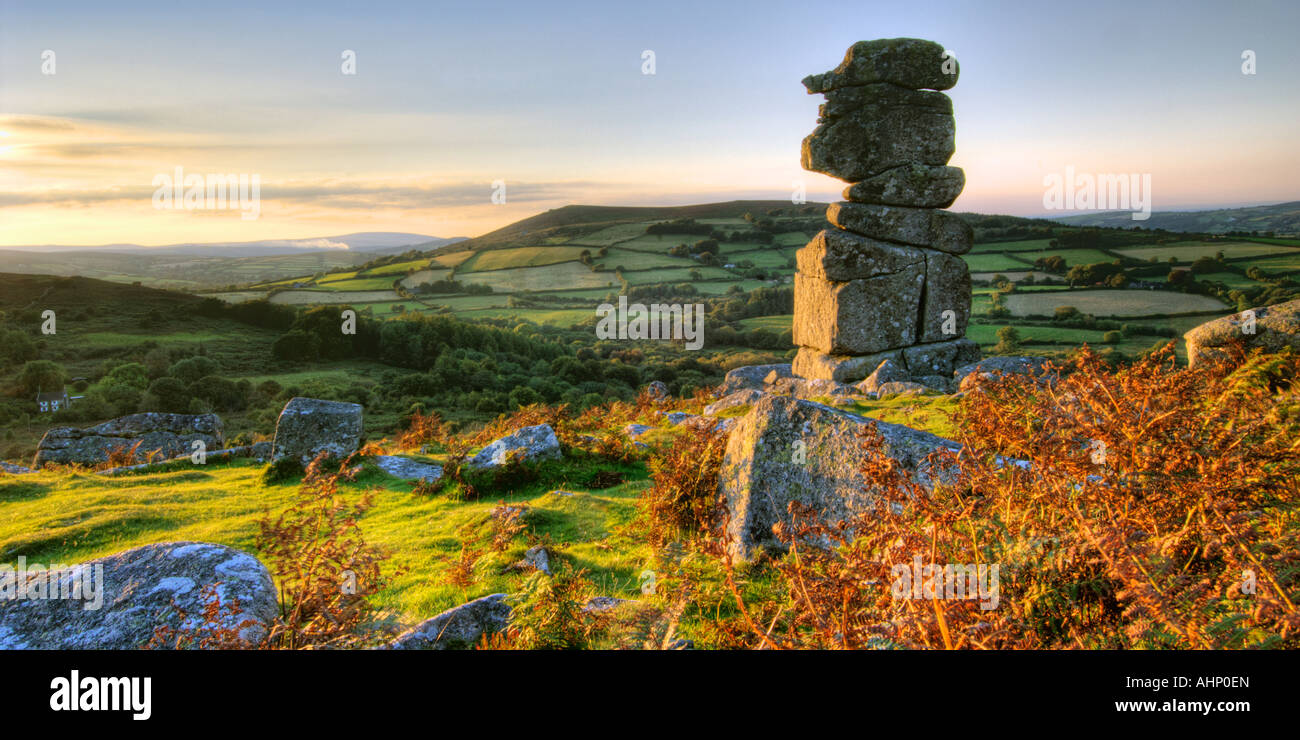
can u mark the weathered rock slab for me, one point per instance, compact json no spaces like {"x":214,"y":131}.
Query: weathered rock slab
{"x":906,"y":62}
{"x":866,"y":130}
{"x":788,"y":449}
{"x":922,"y":227}
{"x":939,"y":358}
{"x":914,"y":185}
{"x":945,"y":309}
{"x":857,"y":317}
{"x":531,"y":444}
{"x":159,"y":435}
{"x":739,"y":398}
{"x":460,"y":627}
{"x":813,"y":364}
{"x":1270,"y":328}
{"x":751,"y":376}
{"x":888,"y":371}
{"x":142,"y":590}
{"x":839,"y":256}
{"x":309,"y":426}
{"x":407,"y":469}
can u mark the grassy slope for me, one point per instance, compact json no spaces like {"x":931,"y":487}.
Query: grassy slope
{"x":57,"y":516}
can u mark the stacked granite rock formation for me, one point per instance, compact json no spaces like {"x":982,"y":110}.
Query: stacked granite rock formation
{"x":886,"y":283}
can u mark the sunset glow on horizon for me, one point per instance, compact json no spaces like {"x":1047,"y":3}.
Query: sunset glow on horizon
{"x":563,"y":114}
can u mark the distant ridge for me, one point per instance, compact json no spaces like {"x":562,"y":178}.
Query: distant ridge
{"x":376,"y":242}
{"x":1282,"y":219}
{"x":554,"y":221}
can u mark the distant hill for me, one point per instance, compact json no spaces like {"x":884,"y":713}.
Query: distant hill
{"x":1281,"y":219}
{"x":200,"y":266}
{"x":577,"y":220}
{"x":374,"y":242}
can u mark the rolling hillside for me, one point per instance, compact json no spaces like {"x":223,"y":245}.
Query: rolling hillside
{"x":1281,"y":219}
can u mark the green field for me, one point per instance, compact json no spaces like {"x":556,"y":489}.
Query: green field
{"x":630,"y":260}
{"x":66,"y":518}
{"x":310,"y":297}
{"x":774,"y":323}
{"x":677,"y":275}
{"x":612,"y":235}
{"x":361,"y":283}
{"x":1192,"y":251}
{"x":497,"y":259}
{"x":398,"y":268}
{"x":547,"y":277}
{"x":1028,"y":245}
{"x":1071,"y":256}
{"x":1113,"y":302}
{"x":1287,"y":263}
{"x":1014,"y":276}
{"x":995,"y":263}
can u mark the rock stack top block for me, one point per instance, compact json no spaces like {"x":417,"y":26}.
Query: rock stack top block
{"x":911,"y":63}
{"x":885,"y":284}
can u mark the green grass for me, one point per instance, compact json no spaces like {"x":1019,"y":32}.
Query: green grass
{"x":331,"y":297}
{"x":1112,"y":302}
{"x":547,"y":277}
{"x":1027,"y":245}
{"x":1287,"y":263}
{"x":1230,"y":279}
{"x":497,"y":259}
{"x":763,"y":257}
{"x":928,"y":413}
{"x":676,"y":275}
{"x":563,"y":317}
{"x":364,"y":283}
{"x":995,"y":263}
{"x":613,"y":234}
{"x":57,"y":517}
{"x":1071,"y":256}
{"x":658,"y":243}
{"x":1191,"y":251}
{"x":398,"y":268}
{"x":453,"y":259}
{"x":632,"y":260}
{"x":774,"y":323}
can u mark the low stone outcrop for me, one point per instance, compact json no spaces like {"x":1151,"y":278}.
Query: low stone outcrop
{"x":141,"y":589}
{"x":310,"y":426}
{"x":530,"y":443}
{"x":158,"y":434}
{"x":739,"y":398}
{"x":408,"y":469}
{"x":887,"y":371}
{"x":971,"y":375}
{"x":657,"y":390}
{"x":460,"y":627}
{"x":1271,"y":328}
{"x":787,"y":449}
{"x":750,"y":376}
{"x":902,"y":388}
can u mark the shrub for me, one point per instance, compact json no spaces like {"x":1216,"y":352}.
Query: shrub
{"x":1155,"y":510}
{"x":683,"y":500}
{"x":325,"y":569}
{"x":548,"y":613}
{"x":281,"y":470}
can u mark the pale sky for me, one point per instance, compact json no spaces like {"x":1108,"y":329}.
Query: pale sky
{"x":551,"y":98}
